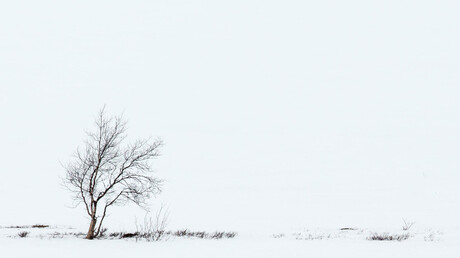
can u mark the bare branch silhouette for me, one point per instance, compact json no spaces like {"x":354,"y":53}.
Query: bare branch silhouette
{"x":108,"y":172}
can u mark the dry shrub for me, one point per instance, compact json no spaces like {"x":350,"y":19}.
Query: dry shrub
{"x":388,"y":237}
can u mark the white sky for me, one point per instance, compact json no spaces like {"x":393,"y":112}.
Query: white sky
{"x":275,"y":113}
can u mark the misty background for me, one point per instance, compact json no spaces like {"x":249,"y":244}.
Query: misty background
{"x":274,"y":114}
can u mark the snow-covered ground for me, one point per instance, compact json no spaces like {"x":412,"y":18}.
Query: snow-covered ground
{"x":50,"y":242}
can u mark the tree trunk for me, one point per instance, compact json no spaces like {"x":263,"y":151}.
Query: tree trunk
{"x":92,"y":226}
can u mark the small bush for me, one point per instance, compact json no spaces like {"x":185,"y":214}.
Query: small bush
{"x":278,"y":235}
{"x":431,"y":237}
{"x":40,"y":226}
{"x":129,"y":235}
{"x":217,"y":235}
{"x":57,"y":234}
{"x":388,"y":237}
{"x":17,"y":227}
{"x":230,"y":234}
{"x":153,"y":227}
{"x":200,"y":234}
{"x":181,"y":233}
{"x":115,"y":234}
{"x":102,"y":233}
{"x":407,"y":225}
{"x":23,"y":234}
{"x":313,"y":236}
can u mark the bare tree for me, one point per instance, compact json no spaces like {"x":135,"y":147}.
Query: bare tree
{"x":108,"y":172}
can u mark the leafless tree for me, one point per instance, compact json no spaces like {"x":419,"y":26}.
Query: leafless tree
{"x":107,"y":172}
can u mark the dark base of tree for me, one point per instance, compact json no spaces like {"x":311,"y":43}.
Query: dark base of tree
{"x":92,"y":226}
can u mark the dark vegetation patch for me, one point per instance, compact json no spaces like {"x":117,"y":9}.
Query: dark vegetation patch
{"x":388,"y":237}
{"x":65,"y":234}
{"x":23,"y":234}
{"x":149,"y":235}
{"x":40,"y":226}
{"x":129,"y":235}
{"x":185,"y":233}
{"x":18,"y":227}
{"x":30,"y":226}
